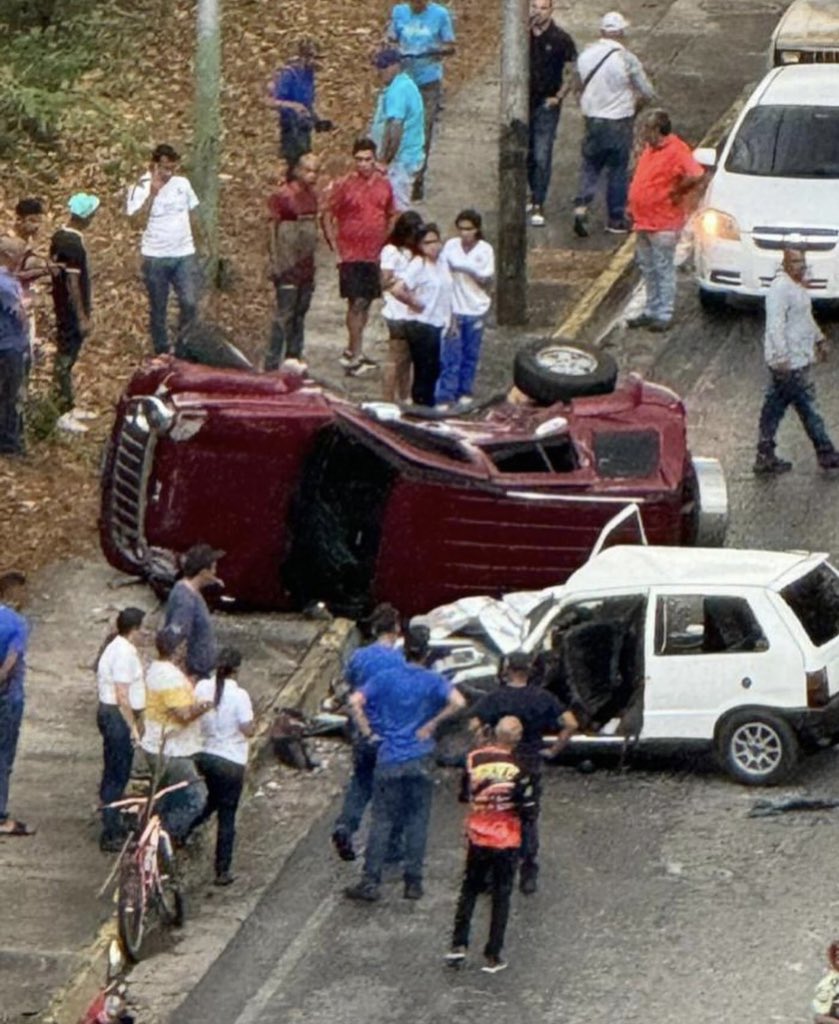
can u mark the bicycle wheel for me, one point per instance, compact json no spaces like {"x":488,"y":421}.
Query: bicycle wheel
{"x":131,"y":908}
{"x":170,"y":897}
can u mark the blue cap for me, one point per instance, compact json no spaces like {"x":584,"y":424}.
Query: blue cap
{"x":83,"y":205}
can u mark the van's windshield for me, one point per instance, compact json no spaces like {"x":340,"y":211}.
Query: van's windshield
{"x":787,"y":142}
{"x":815,"y":600}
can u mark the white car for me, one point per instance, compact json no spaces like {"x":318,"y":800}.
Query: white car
{"x":776,"y":184}
{"x":808,"y":33}
{"x":731,"y":649}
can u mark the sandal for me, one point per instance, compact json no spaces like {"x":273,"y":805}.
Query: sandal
{"x":19,"y":828}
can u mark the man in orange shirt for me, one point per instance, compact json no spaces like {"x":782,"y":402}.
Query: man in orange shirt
{"x":664,"y":177}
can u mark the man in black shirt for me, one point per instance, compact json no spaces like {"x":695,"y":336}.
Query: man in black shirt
{"x":552,"y":57}
{"x":539,"y":712}
{"x":71,"y":294}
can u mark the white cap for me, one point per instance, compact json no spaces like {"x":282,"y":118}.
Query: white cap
{"x":614,"y":21}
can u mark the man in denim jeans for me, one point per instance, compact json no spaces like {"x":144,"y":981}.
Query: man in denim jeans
{"x":666,"y":173}
{"x":793,"y":340}
{"x":167,"y":201}
{"x":410,"y":702}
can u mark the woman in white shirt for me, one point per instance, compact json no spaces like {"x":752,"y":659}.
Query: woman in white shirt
{"x":393,"y":262}
{"x":471,"y":261}
{"x":226,"y":729}
{"x":426,"y":289}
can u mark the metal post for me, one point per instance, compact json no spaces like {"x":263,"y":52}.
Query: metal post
{"x":208,"y":127}
{"x":512,"y":177}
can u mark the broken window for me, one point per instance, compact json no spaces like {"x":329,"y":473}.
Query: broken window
{"x":815,"y":600}
{"x":706,"y":624}
{"x":554,"y":456}
{"x":627,"y":453}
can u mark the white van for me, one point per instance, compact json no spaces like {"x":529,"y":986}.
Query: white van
{"x":808,"y":33}
{"x":776,"y":184}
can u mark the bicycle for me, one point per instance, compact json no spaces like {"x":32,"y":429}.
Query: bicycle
{"x":146,"y":872}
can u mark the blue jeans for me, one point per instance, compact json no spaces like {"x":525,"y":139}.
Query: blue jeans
{"x":11,"y":715}
{"x":459,"y":356}
{"x":785,"y":389}
{"x":117,"y":756}
{"x":606,"y":146}
{"x":401,"y":799}
{"x":360,"y":788}
{"x":286,"y":342}
{"x":655,"y":254}
{"x":544,"y":122}
{"x":160,"y":274}
{"x":181,"y":810}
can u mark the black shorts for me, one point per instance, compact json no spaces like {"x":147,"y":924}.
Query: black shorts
{"x":359,"y":281}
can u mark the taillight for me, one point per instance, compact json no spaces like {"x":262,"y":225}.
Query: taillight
{"x":818,"y":693}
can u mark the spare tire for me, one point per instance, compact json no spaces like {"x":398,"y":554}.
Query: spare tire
{"x":551,"y":370}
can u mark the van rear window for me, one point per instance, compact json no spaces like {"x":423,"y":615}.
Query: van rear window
{"x":815,"y":600}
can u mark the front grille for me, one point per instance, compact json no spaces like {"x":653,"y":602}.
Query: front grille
{"x":814,"y":284}
{"x":725,"y":277}
{"x":818,"y":56}
{"x":807,"y":239}
{"x":129,"y":482}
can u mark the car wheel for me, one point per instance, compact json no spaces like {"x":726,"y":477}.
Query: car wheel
{"x":713,"y":302}
{"x":756,"y":748}
{"x":551,"y":370}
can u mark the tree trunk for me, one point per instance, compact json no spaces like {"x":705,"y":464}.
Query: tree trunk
{"x":208,"y":128}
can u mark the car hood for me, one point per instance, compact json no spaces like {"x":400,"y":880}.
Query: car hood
{"x":776,"y":202}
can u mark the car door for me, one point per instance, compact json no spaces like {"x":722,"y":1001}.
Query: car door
{"x":711,"y":650}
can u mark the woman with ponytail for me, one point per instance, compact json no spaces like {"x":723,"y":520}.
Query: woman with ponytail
{"x":226,"y":729}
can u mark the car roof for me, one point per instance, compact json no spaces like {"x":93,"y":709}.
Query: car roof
{"x":804,"y":85}
{"x":809,"y":24}
{"x":639,"y":566}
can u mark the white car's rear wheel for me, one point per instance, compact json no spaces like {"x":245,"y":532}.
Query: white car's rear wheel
{"x":756,"y":748}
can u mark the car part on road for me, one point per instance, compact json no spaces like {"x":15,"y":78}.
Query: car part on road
{"x":549,"y":371}
{"x":757,"y":748}
{"x":769,"y":808}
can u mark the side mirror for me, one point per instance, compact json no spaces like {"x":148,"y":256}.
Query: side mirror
{"x":706,"y":155}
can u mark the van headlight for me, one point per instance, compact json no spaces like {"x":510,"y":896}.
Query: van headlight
{"x":790,"y":57}
{"x":151,"y":415}
{"x":716,"y":224}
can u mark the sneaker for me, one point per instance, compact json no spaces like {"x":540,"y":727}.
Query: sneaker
{"x":342,"y":841}
{"x":771,"y":465}
{"x":223,"y":878}
{"x":413,"y":890}
{"x":363,"y":891}
{"x":617,"y":227}
{"x":346,"y":358}
{"x":537,"y":218}
{"x":581,"y":225}
{"x":528,"y":206}
{"x":361,"y":366}
{"x":642,"y":320}
{"x":69,"y":423}
{"x":493,"y":965}
{"x":829,"y":460}
{"x":464,"y":402}
{"x":528,"y":885}
{"x":659,"y":326}
{"x":455,"y":956}
{"x":83,"y":415}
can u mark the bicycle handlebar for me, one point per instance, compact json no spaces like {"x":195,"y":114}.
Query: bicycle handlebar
{"x":143,"y":800}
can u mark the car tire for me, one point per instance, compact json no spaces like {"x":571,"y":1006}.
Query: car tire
{"x":551,"y":370}
{"x":713,"y":302}
{"x":757,"y":748}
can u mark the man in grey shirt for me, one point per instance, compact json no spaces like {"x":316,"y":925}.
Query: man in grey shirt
{"x":187,"y":612}
{"x":793,"y":341}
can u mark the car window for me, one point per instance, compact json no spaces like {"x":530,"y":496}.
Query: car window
{"x":428,"y":439}
{"x":815,"y":600}
{"x":788,"y":142}
{"x":706,"y":624}
{"x":554,"y":456}
{"x":627,"y":453}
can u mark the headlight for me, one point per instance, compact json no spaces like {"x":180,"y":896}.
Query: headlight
{"x":790,"y":57}
{"x":160,"y":415}
{"x":716,"y":224}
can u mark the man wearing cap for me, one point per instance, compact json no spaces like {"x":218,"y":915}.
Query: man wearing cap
{"x":291,"y":93}
{"x":539,"y":713}
{"x":424,"y":34}
{"x":14,"y":346}
{"x":187,"y":613}
{"x":14,"y":636}
{"x":398,"y":126}
{"x":611,"y":87}
{"x":119,"y":678}
{"x":167,"y":203}
{"x":410,"y":701}
{"x":71,"y":294}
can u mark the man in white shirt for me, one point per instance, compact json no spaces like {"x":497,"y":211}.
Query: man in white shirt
{"x":611,"y":86}
{"x":167,"y":202}
{"x":792,"y":342}
{"x":119,"y":678}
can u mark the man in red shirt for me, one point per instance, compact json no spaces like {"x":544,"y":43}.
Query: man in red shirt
{"x":357,"y":221}
{"x":664,"y":177}
{"x":292,"y":237}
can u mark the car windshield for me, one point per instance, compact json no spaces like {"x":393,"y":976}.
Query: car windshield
{"x":787,"y":142}
{"x":815,"y":600}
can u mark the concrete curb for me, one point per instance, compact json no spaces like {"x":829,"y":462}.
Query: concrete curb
{"x":306,"y":687}
{"x":591,"y":312}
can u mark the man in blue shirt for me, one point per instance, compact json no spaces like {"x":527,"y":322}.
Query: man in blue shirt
{"x":409,"y":701}
{"x":364,"y":665}
{"x":187,"y":613}
{"x":424,"y":33}
{"x":14,"y":346}
{"x":14,"y":633}
{"x":398,"y":127}
{"x":292,"y":94}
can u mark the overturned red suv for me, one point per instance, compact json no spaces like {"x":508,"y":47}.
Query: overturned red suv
{"x":314,"y":498}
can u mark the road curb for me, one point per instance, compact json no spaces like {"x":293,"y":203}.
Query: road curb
{"x":304,"y":689}
{"x":596,"y":307}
